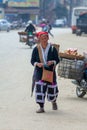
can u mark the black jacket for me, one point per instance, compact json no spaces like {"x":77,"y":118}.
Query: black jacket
{"x":30,"y":28}
{"x":52,"y":55}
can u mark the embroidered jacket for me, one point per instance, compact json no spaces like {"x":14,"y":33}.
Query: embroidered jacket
{"x":52,"y":55}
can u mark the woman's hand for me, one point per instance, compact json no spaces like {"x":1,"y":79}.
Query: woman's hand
{"x":50,"y":63}
{"x":40,"y":65}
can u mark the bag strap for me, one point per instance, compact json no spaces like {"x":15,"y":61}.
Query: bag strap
{"x":40,"y":53}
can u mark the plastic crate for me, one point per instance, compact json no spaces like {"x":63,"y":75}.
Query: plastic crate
{"x":72,"y":69}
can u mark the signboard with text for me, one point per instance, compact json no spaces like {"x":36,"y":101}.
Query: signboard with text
{"x":23,"y":3}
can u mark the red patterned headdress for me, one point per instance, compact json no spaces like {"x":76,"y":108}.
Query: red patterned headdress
{"x":41,"y":33}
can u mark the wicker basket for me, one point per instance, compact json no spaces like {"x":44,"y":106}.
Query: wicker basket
{"x":22,"y":36}
{"x":72,"y":69}
{"x":22,"y":33}
{"x":23,"y":39}
{"x":69,"y":56}
{"x":56,"y":46}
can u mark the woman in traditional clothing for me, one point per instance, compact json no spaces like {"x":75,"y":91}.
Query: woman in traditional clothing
{"x":50,"y":60}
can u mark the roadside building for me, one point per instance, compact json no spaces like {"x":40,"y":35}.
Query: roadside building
{"x":22,"y":9}
{"x":1,"y":9}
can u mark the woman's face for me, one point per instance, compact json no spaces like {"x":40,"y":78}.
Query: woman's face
{"x":43,"y":40}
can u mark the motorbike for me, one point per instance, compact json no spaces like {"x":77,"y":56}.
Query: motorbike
{"x":31,"y":39}
{"x":81,"y":88}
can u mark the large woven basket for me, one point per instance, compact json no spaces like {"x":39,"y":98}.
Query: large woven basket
{"x":69,"y":56}
{"x":56,"y":46}
{"x":23,"y":39}
{"x":22,"y":33}
{"x":72,"y":69}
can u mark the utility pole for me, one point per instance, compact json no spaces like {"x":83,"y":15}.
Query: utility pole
{"x":42,"y":8}
{"x":46,"y":9}
{"x":70,"y":11}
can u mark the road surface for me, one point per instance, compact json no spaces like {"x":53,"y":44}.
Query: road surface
{"x":17,"y":107}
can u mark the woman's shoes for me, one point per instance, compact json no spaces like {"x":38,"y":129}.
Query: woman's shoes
{"x":41,"y":110}
{"x":54,"y":106}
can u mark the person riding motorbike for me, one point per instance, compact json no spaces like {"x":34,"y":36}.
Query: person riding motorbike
{"x":30,"y":28}
{"x":31,"y":31}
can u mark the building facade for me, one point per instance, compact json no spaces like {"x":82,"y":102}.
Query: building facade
{"x":74,"y":2}
{"x":35,"y":9}
{"x":22,"y":9}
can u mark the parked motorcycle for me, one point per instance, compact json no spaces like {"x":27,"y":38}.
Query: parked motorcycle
{"x":81,"y":88}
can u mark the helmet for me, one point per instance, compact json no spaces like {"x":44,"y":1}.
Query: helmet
{"x":44,"y":20}
{"x":29,"y":22}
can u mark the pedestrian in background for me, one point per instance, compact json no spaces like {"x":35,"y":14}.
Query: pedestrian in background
{"x":49,"y":28}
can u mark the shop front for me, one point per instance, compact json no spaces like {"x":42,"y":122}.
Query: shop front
{"x":22,"y":9}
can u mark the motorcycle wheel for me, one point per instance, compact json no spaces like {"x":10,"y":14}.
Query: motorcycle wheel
{"x":78,"y":32}
{"x":80,"y":93}
{"x":29,"y":44}
{"x":31,"y":47}
{"x":8,"y":30}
